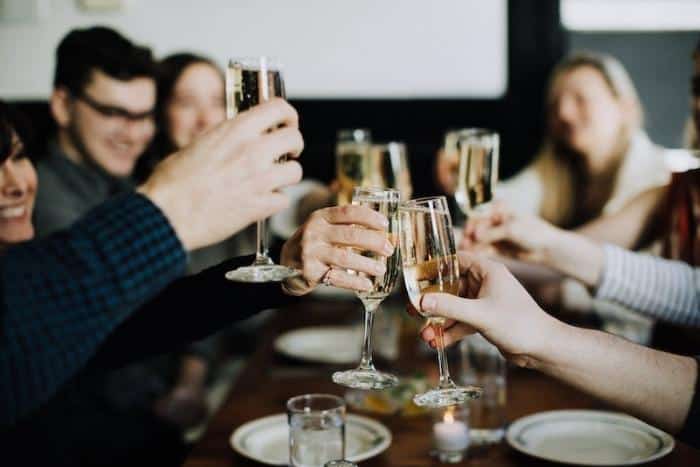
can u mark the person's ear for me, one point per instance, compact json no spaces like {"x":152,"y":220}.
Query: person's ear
{"x":60,"y":104}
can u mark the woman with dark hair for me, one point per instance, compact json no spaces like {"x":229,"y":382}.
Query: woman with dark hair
{"x":18,"y":180}
{"x":190,"y":101}
{"x":54,"y":337}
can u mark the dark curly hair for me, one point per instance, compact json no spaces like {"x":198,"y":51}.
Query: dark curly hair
{"x":82,"y":51}
{"x":12,"y":123}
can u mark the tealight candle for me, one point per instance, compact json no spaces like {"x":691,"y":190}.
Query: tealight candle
{"x":451,"y":433}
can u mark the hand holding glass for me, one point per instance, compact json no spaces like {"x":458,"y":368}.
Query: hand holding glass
{"x":366,"y":376}
{"x":430,"y":265}
{"x":249,"y":82}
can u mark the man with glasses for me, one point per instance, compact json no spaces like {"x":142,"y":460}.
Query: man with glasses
{"x":103,"y":102}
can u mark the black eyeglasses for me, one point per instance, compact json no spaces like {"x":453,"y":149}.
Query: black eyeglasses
{"x":110,"y":111}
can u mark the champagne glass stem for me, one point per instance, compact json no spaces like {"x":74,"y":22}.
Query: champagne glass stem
{"x":261,"y":252}
{"x":366,"y":358}
{"x":445,"y":381}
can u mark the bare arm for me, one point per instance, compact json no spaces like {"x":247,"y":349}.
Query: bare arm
{"x":653,"y":385}
{"x":632,"y":225}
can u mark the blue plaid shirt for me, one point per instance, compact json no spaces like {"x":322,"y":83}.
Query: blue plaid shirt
{"x":62,"y":295}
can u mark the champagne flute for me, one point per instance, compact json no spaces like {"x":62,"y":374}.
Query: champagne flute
{"x":430,"y":265}
{"x":249,"y":82}
{"x":388,"y":167}
{"x":477,"y":175}
{"x":450,"y":158}
{"x":366,"y":376}
{"x":351,"y":153}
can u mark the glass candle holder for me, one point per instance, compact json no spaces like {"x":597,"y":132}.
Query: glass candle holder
{"x":451,"y":433}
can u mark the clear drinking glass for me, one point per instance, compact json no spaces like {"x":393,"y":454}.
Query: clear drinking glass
{"x":249,"y":82}
{"x":450,"y":157}
{"x":483,"y":365}
{"x":477,"y":175}
{"x":430,"y":265}
{"x":351,"y":161}
{"x":316,"y":429}
{"x":388,"y":168}
{"x":366,"y":376}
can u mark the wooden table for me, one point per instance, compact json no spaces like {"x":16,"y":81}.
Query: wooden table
{"x":269,"y":380}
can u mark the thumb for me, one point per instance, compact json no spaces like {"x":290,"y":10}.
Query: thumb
{"x":465,"y":310}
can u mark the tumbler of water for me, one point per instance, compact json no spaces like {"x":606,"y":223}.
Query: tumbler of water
{"x":316,"y":429}
{"x":484,"y":366}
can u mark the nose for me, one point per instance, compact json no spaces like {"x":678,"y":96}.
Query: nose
{"x":566,"y":109}
{"x":14,"y":186}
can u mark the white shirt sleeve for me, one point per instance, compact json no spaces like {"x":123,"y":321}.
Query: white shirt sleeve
{"x":667,"y":290}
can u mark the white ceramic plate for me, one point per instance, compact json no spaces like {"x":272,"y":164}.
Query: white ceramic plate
{"x":325,"y":344}
{"x":266,"y":440}
{"x":588,"y":437}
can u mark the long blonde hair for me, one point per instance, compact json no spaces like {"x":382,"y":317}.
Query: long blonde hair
{"x":557,"y":172}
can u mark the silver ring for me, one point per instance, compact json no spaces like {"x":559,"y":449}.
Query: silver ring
{"x":326,"y":278}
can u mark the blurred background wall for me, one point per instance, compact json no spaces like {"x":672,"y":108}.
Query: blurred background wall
{"x":406,"y":69}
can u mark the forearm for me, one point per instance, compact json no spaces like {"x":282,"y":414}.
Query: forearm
{"x":190,"y":308}
{"x":655,"y":386}
{"x":574,"y":256}
{"x":64,"y":294}
{"x":632,"y":225}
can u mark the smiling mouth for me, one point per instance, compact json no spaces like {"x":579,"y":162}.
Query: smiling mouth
{"x":13,"y":212}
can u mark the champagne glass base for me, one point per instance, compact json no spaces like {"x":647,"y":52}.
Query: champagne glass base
{"x":436,"y":398}
{"x":262,"y":273}
{"x":365,"y":379}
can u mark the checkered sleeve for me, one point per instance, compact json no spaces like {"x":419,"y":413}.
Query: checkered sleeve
{"x":62,"y":295}
{"x":663,"y":289}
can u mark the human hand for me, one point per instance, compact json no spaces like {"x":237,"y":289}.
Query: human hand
{"x":229,"y":177}
{"x":322,"y":249}
{"x":185,"y":406}
{"x":519,"y":236}
{"x":493,"y":303}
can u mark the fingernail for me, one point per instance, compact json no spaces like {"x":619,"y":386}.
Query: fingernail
{"x":388,"y":248}
{"x":379,"y":269}
{"x":428,"y":303}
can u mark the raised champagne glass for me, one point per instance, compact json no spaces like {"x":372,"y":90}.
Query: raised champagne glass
{"x":388,"y":167}
{"x":430,"y":264}
{"x":249,"y":82}
{"x":366,"y":376}
{"x":351,"y":161}
{"x":478,"y":151}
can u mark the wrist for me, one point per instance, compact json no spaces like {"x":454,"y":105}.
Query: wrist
{"x":575,"y":256}
{"x":160,"y":198}
{"x":550,"y":341}
{"x":555,"y":245}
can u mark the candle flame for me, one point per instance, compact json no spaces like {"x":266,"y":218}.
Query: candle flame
{"x":449,"y":417}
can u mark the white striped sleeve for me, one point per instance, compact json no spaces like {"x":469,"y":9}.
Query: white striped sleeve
{"x":663,"y":289}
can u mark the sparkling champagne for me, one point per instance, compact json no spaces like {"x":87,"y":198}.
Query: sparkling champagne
{"x":352,"y":169}
{"x":435,"y":275}
{"x":478,"y":169}
{"x":427,"y":268}
{"x":247,"y":87}
{"x":383,"y":284}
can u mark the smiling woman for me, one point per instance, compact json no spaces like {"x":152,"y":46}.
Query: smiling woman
{"x":18,"y":182}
